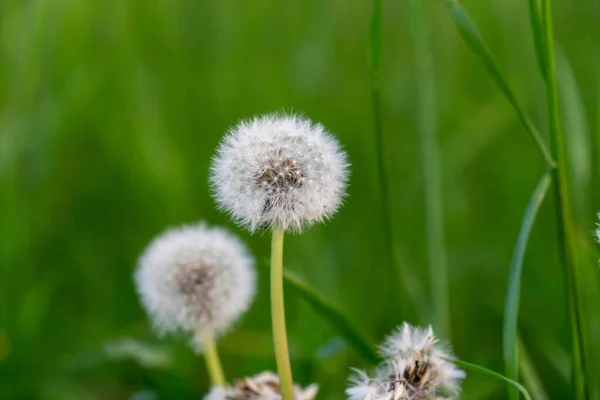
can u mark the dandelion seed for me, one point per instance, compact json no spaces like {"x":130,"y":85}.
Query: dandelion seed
{"x":279,"y":171}
{"x":415,"y":368}
{"x":195,"y":279}
{"x":264,"y":386}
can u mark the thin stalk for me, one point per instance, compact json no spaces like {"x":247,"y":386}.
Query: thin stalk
{"x":213,"y":363}
{"x":375,"y":61}
{"x":563,"y":210}
{"x":513,"y":295}
{"x":434,"y":210}
{"x":278,"y":317}
{"x":493,"y":374}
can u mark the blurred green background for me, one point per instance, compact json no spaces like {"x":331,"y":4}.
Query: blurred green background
{"x":109,"y":114}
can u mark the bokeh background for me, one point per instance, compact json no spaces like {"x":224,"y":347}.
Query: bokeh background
{"x":109,"y":114}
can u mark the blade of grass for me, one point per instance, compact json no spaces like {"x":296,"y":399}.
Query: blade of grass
{"x":563,"y":210}
{"x":493,"y":374}
{"x":475,"y":41}
{"x":577,"y":142}
{"x":530,"y":376}
{"x":535,"y":11}
{"x":511,"y":309}
{"x":579,"y":146}
{"x":332,"y":315}
{"x":375,"y":63}
{"x":434,"y":214}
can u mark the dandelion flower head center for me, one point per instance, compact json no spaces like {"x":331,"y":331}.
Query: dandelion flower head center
{"x":195,"y":281}
{"x":413,"y":378}
{"x":281,"y":175}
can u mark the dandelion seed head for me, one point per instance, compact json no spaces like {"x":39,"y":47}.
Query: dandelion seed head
{"x":415,"y":368}
{"x":264,"y":386}
{"x":194,"y":278}
{"x":362,"y":387}
{"x":279,"y":171}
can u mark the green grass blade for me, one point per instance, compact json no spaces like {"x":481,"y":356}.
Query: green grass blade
{"x":532,"y":379}
{"x":475,"y":41}
{"x":434,"y":210}
{"x":478,"y":368}
{"x":511,"y":309}
{"x":578,"y":149}
{"x":578,"y":144}
{"x":535,"y":11}
{"x":375,"y":64}
{"x":332,"y":315}
{"x":566,"y":231}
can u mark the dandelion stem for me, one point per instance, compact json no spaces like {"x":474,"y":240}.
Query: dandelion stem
{"x":213,"y":363}
{"x":278,"y":317}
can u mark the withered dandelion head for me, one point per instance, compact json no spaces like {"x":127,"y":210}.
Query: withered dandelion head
{"x":264,"y":386}
{"x":416,"y":367}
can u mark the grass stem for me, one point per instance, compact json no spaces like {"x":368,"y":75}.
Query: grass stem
{"x":566,"y":233}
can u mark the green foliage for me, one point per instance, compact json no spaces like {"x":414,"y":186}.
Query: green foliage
{"x":111,"y":110}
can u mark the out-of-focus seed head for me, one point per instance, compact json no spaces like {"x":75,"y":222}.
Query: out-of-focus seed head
{"x":195,"y":278}
{"x":264,"y":386}
{"x":279,"y":171}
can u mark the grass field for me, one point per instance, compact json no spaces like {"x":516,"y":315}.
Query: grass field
{"x":111,"y":110}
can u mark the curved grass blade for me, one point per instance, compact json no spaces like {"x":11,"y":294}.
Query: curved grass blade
{"x":432,"y":171}
{"x":565,"y":223}
{"x":479,"y":368}
{"x":475,"y":41}
{"x":511,"y":309}
{"x":332,"y":315}
{"x":535,"y":12}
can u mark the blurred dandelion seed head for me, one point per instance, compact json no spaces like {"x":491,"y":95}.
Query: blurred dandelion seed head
{"x":264,"y":386}
{"x":415,"y":368}
{"x":597,"y":231}
{"x":195,"y":278}
{"x":279,"y":171}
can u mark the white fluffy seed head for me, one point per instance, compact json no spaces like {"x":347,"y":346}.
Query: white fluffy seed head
{"x":264,"y":386}
{"x":194,"y":279}
{"x":279,"y":171}
{"x":415,"y":368}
